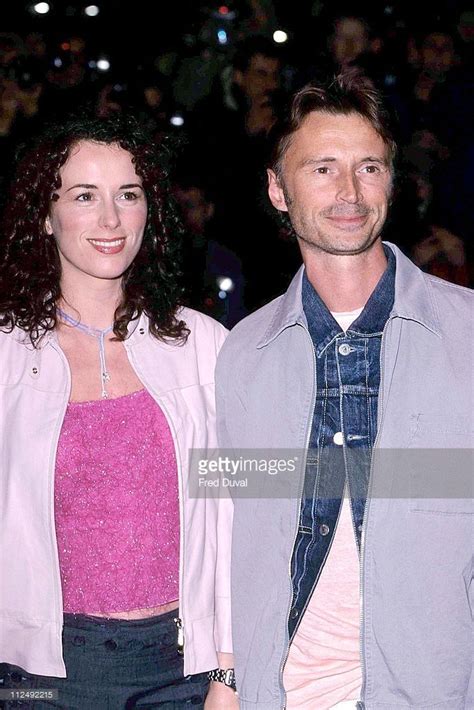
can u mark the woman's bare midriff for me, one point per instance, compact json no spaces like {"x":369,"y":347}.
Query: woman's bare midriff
{"x":137,"y":613}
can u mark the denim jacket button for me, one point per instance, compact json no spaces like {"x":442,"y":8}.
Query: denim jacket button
{"x":344,"y":349}
{"x":338,"y":438}
{"x":324,"y":529}
{"x":294,"y":614}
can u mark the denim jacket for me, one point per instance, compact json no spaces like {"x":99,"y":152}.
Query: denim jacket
{"x":343,"y":429}
{"x":417,"y":589}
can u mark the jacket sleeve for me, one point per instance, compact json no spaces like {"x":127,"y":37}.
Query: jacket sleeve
{"x":223,"y":624}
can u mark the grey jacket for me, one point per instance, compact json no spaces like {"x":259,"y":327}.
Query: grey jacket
{"x":417,"y":599}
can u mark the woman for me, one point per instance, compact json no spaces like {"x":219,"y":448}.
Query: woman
{"x":106,"y":385}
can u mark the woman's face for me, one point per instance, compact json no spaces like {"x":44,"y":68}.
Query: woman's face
{"x":99,"y":216}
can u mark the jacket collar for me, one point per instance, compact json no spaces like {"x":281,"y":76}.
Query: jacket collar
{"x":413,"y":300}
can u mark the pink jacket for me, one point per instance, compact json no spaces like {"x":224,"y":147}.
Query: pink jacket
{"x":34,"y":391}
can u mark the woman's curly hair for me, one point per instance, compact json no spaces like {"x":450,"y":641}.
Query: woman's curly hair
{"x":30,"y":269}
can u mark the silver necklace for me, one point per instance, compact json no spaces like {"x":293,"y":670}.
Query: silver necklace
{"x":100,"y":336}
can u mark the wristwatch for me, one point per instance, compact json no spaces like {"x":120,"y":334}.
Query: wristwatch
{"x":223,"y":676}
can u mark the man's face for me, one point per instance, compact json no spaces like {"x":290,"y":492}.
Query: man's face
{"x":261,"y":77}
{"x":437,"y":53}
{"x":350,"y":39}
{"x":196,"y":209}
{"x":335,"y":183}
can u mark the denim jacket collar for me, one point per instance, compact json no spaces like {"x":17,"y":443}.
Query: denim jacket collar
{"x":324,"y":327}
{"x":413,"y":300}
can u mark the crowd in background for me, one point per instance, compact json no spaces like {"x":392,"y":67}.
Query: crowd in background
{"x":218,"y":99}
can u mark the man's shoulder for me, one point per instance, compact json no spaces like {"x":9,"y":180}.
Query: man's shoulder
{"x":449,"y":289}
{"x":452,"y":301}
{"x":250,"y":330}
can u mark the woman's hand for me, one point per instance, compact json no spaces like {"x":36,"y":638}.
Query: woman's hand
{"x":221,"y":697}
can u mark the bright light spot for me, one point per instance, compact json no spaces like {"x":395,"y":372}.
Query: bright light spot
{"x":92,"y":10}
{"x":225,"y":284}
{"x":177,"y":120}
{"x":279,"y":36}
{"x":222,"y":36}
{"x":42,"y":8}
{"x":223,"y":10}
{"x":222,"y":295}
{"x":58,"y":63}
{"x":103,"y":64}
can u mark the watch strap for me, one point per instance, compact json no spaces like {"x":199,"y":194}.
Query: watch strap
{"x":221,"y":675}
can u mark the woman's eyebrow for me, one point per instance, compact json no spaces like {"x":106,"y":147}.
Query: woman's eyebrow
{"x":84,"y":186}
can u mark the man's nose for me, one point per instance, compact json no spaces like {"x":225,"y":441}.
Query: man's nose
{"x":110,"y":216}
{"x":348,"y":188}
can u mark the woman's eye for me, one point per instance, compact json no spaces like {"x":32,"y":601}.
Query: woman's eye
{"x":84,"y":197}
{"x":130,"y":196}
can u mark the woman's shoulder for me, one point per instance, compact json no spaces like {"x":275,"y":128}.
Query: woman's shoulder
{"x":202,"y":328}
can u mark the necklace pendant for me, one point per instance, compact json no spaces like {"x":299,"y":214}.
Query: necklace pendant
{"x":105,"y":377}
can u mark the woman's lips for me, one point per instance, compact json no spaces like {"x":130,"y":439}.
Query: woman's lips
{"x":108,"y":246}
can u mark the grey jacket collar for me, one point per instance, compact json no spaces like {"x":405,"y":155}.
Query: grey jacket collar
{"x":413,"y":300}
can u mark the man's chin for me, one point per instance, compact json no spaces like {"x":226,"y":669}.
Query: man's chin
{"x":346,"y":245}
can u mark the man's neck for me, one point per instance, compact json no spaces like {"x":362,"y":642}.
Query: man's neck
{"x":345,"y":282}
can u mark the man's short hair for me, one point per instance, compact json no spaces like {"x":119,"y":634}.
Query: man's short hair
{"x":348,"y":93}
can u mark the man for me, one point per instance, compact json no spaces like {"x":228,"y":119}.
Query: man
{"x":365,"y":366}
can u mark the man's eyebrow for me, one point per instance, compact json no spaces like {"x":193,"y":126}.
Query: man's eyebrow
{"x":314,"y":160}
{"x":329,"y":159}
{"x":372,"y":159}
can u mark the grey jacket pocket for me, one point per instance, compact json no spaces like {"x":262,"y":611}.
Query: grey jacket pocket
{"x":441,"y":477}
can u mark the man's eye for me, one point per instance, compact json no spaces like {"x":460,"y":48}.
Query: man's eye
{"x":322,"y":170}
{"x":371,"y":169}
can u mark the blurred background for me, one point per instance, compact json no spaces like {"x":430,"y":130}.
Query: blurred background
{"x":215,"y":75}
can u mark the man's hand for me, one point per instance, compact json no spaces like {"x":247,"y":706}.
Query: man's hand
{"x":220,"y":697}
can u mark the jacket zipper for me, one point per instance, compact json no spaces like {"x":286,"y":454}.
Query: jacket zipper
{"x":308,"y":434}
{"x":179,"y":621}
{"x":361,"y":703}
{"x":55,"y":345}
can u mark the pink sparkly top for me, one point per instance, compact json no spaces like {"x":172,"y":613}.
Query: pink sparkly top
{"x":116,"y":506}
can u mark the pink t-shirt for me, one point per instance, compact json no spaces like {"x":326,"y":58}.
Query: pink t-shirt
{"x":116,"y":506}
{"x":323,"y":667}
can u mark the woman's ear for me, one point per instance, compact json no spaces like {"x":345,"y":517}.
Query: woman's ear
{"x":47,"y":225}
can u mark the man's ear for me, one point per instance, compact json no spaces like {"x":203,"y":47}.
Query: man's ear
{"x":275,"y":192}
{"x":47,"y":226}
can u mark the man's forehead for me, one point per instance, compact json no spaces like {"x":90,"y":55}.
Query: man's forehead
{"x":351,"y":127}
{"x":323,"y":135}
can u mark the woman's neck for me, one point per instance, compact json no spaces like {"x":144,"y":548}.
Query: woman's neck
{"x":94,"y":307}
